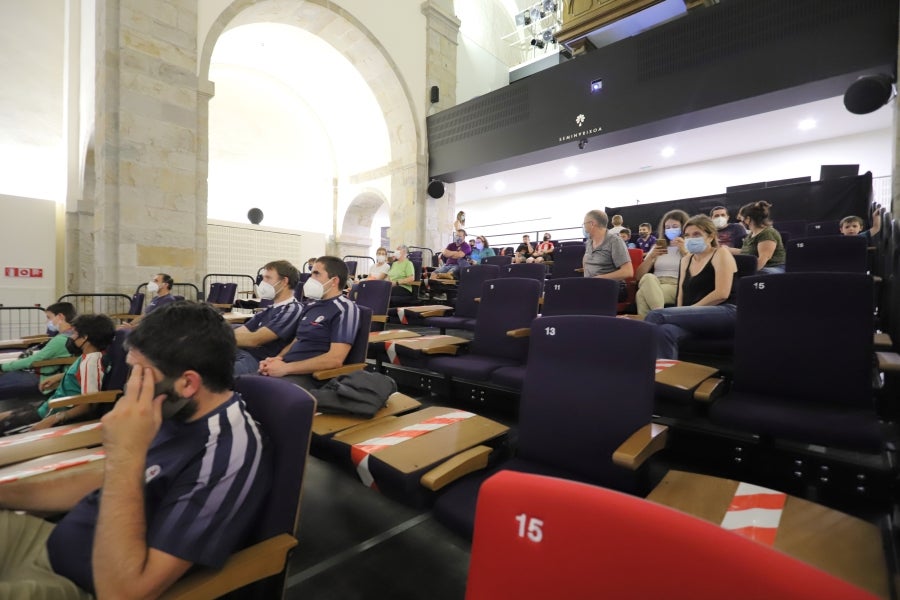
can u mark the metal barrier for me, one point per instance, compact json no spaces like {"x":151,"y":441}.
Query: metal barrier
{"x":246,"y":284}
{"x":363,"y":264}
{"x":100,"y":304}
{"x":188,"y":291}
{"x":427,"y":255}
{"x":19,"y":321}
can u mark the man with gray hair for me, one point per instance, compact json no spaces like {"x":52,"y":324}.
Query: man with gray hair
{"x":605,"y":255}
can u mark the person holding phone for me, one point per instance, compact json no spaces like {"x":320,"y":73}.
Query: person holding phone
{"x":657,"y":276}
{"x":175,"y":492}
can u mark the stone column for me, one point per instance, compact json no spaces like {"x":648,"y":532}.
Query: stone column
{"x":148,"y":214}
{"x":435,"y":216}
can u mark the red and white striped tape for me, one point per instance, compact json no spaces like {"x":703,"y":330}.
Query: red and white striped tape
{"x":44,"y":434}
{"x":755,"y":513}
{"x":401,"y":312}
{"x":390,"y":348}
{"x":664,"y":363}
{"x":360,"y":452}
{"x":57,"y":466}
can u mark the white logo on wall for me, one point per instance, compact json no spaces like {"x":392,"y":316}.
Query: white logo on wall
{"x":581,"y":133}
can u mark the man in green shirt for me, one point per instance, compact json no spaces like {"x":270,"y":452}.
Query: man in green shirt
{"x":16,"y":379}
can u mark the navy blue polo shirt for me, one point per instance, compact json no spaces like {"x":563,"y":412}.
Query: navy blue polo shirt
{"x":281,"y":319}
{"x":321,"y":324}
{"x":204,"y":484}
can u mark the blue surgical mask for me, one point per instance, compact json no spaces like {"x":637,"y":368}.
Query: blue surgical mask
{"x":51,"y":327}
{"x":479,"y":245}
{"x":673,"y":232}
{"x":695,"y":245}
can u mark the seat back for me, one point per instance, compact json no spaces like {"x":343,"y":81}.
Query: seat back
{"x":375,"y":295}
{"x":471,"y":279}
{"x":536,"y":271}
{"x":580,"y":296}
{"x":285,"y":412}
{"x":351,"y":267}
{"x":500,"y":261}
{"x":137,"y":304}
{"x":298,"y":291}
{"x":589,"y":385}
{"x":360,"y":345}
{"x":829,"y":253}
{"x":114,"y":360}
{"x":567,"y":258}
{"x":542,"y":537}
{"x":826,"y":357}
{"x":215,"y":293}
{"x":823,"y":228}
{"x":228,"y":293}
{"x":794,"y":229}
{"x":506,"y":303}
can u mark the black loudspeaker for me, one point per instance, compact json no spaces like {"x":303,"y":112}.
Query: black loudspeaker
{"x":435,"y":94}
{"x":255,"y":215}
{"x":435,"y":188}
{"x":868,"y":94}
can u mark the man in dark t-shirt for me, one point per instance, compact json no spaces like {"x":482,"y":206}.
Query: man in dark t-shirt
{"x":185,"y":471}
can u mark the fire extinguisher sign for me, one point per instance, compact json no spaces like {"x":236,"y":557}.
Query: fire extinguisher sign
{"x":26,"y":272}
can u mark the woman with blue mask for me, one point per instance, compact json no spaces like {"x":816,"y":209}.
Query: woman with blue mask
{"x":481,"y":250}
{"x":704,"y":305}
{"x":657,"y":275}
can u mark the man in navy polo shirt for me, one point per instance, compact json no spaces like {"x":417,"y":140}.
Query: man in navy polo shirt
{"x":325,"y":331}
{"x":266,"y":334}
{"x":184,"y":477}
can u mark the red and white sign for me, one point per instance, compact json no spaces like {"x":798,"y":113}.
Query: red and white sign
{"x":24,"y":272}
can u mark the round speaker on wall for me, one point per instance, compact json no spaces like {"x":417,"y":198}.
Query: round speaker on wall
{"x":435,"y":188}
{"x":255,"y":215}
{"x":868,"y":94}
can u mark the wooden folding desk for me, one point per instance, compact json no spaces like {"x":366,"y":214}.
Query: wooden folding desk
{"x":32,"y":444}
{"x":54,"y":467}
{"x":846,"y":547}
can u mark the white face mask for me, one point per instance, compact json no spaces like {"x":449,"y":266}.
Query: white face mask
{"x":313,"y":290}
{"x":152,"y":287}
{"x":380,"y":258}
{"x":720,"y":222}
{"x":265,"y":290}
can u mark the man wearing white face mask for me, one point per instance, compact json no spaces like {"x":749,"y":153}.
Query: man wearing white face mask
{"x":325,"y":331}
{"x":730,"y":235}
{"x":161,"y":285}
{"x":268,"y":331}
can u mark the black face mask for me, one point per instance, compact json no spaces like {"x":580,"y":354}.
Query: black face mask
{"x":72,"y":348}
{"x":174,"y":406}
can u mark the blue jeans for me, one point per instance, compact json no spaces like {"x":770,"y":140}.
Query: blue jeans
{"x":679,"y":322}
{"x":452,"y":269}
{"x":245,"y":363}
{"x":773,"y":270}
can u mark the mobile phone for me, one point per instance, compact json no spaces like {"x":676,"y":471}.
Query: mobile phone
{"x":662,"y":243}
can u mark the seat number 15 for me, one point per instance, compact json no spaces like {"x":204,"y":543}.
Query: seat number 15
{"x":530,"y":527}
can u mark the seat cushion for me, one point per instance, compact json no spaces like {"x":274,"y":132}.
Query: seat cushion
{"x":475,"y":367}
{"x":509,"y":377}
{"x":856,"y":429}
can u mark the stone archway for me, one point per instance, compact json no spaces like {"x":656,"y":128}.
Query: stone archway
{"x":356,"y":227}
{"x":342,"y":31}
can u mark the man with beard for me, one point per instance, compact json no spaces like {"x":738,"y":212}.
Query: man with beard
{"x":185,"y":472}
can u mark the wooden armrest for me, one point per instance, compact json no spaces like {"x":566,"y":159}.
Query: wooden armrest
{"x":54,"y":362}
{"x":38,"y":338}
{"x":451,"y":350}
{"x":710,"y":389}
{"x":95,"y":398}
{"x":437,"y":312}
{"x":257,"y":562}
{"x":414,"y":283}
{"x":521,"y":332}
{"x":331,"y":373}
{"x":643,"y":443}
{"x":477,"y":299}
{"x":379,"y":318}
{"x":222,"y":306}
{"x":883,"y":340}
{"x":455,"y":467}
{"x":579,"y":270}
{"x":888,"y":362}
{"x":123,"y":316}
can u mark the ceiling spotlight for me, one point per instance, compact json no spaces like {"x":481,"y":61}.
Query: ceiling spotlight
{"x":869,"y":93}
{"x":536,"y":13}
{"x":537,"y":43}
{"x":806,"y":124}
{"x":523,"y":18}
{"x":549,"y":5}
{"x":596,"y":86}
{"x":667,"y":152}
{"x":548,"y":36}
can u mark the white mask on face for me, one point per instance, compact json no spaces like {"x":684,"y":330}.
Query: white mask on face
{"x":380,"y":258}
{"x":265,"y":290}
{"x":313,"y":290}
{"x":152,"y":287}
{"x":720,"y":222}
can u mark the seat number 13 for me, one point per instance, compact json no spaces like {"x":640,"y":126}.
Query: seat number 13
{"x":531,"y":527}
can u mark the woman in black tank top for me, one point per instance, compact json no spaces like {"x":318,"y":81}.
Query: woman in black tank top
{"x":705,"y":306}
